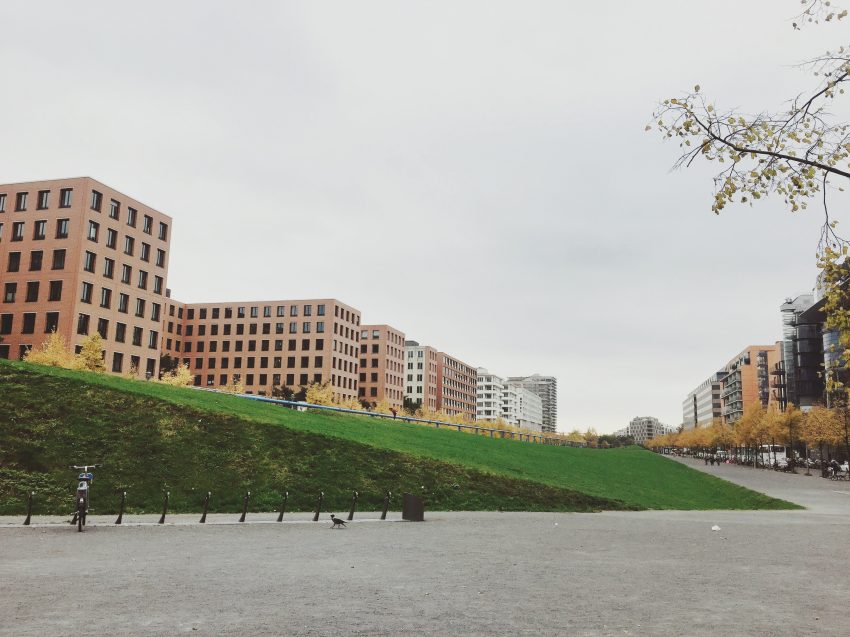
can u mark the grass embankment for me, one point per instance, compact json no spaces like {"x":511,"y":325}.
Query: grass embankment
{"x":154,"y":438}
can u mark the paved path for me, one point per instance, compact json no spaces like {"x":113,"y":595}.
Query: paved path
{"x":619,"y":573}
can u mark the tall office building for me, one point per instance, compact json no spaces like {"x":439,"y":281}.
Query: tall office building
{"x":521,"y":407}
{"x":703,"y":404}
{"x":547,"y":388}
{"x":381,"y":365}
{"x":643,"y":428}
{"x":79,"y":257}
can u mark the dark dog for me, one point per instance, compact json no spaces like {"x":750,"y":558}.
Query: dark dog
{"x":337,"y":522}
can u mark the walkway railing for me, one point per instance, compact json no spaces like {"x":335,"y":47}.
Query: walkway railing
{"x":477,"y":429}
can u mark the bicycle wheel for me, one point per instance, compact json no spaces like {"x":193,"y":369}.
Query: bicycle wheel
{"x":81,"y":515}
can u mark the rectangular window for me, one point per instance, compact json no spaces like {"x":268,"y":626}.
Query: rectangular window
{"x":103,"y":328}
{"x":145,"y":254}
{"x":160,"y":258}
{"x":51,"y":322}
{"x":155,"y":311}
{"x":108,"y":267}
{"x":55,"y":292}
{"x":39,"y":230}
{"x":147,"y":225}
{"x":293,"y":328}
{"x":120,"y":332}
{"x":93,"y":230}
{"x":65,"y":197}
{"x":163,"y":231}
{"x":137,"y":336}
{"x":6,"y":321}
{"x":2,"y":202}
{"x":320,"y":327}
{"x":153,"y":339}
{"x":32,"y":292}
{"x":89,"y":261}
{"x":308,"y":310}
{"x":29,"y":323}
{"x":117,"y":362}
{"x":254,"y":311}
{"x":83,"y":324}
{"x":14,"y":262}
{"x":85,"y":294}
{"x":143,"y":280}
{"x":320,"y":309}
{"x":129,"y":245}
{"x":293,"y":310}
{"x":62,"y":228}
{"x":43,"y":200}
{"x":105,"y":298}
{"x":140,"y":308}
{"x":123,"y":302}
{"x":111,"y":238}
{"x":18,"y":231}
{"x":126,"y":273}
{"x":59,"y":259}
{"x":305,"y":327}
{"x":21,"y":202}
{"x":131,"y":217}
{"x":96,"y":200}
{"x":114,"y":209}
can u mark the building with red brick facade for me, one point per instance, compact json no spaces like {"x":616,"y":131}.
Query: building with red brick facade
{"x":381,"y":365}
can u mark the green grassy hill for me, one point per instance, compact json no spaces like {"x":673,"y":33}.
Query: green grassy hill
{"x":153,"y":438}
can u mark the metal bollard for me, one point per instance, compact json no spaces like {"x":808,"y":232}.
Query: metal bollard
{"x":353,"y":505}
{"x":386,"y":505}
{"x":245,"y":506}
{"x":206,"y":507}
{"x":121,"y":508}
{"x":29,"y":508}
{"x":319,"y":506}
{"x":164,"y":507}
{"x":283,"y":506}
{"x":491,"y":433}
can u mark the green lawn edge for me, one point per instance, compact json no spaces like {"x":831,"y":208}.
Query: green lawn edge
{"x":633,"y":476}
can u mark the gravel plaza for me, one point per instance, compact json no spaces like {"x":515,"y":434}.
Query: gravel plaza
{"x":643,"y":573}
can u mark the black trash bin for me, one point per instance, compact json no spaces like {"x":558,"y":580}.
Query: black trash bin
{"x":413,"y":508}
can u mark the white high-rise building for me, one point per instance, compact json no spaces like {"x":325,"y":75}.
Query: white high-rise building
{"x":643,"y":428}
{"x":547,"y":388}
{"x":521,"y":407}
{"x":488,"y":405}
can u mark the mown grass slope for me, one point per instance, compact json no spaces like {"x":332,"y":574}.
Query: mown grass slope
{"x":156,"y":438}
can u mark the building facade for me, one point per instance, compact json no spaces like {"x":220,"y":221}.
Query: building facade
{"x":747,"y":380}
{"x":267,"y":344}
{"x":457,"y":383}
{"x":488,"y":396}
{"x":703,"y":404}
{"x":798,"y":378}
{"x":420,"y":375}
{"x":644,"y":428}
{"x":381,"y":365}
{"x":521,"y":407}
{"x":547,"y":388}
{"x":79,"y":257}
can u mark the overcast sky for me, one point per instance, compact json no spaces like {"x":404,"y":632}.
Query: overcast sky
{"x":474,"y":173}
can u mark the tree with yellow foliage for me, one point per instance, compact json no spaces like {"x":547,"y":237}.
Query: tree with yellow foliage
{"x":180,"y":376}
{"x":320,"y":393}
{"x":350,"y":403}
{"x":90,"y":358}
{"x":54,"y":351}
{"x":382,"y":407}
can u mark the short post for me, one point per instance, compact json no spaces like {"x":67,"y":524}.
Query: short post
{"x":29,"y":508}
{"x":319,"y":506}
{"x":386,"y":505}
{"x":353,"y":505}
{"x":245,"y":506}
{"x":413,"y":509}
{"x":478,"y":431}
{"x":491,"y":433}
{"x":283,"y":506}
{"x":206,"y":507}
{"x":121,"y":508}
{"x":436,"y":425}
{"x":460,"y":427}
{"x":164,"y":507}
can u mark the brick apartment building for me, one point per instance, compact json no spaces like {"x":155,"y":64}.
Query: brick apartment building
{"x":747,"y":380}
{"x":456,"y":386}
{"x":77,"y":257}
{"x":420,"y":374}
{"x":382,"y":365}
{"x":266,"y":344}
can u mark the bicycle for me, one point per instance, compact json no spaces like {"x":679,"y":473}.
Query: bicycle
{"x":81,"y":502}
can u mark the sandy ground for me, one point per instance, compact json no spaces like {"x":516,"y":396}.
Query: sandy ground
{"x":644,"y":573}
